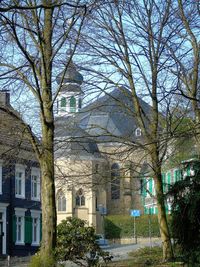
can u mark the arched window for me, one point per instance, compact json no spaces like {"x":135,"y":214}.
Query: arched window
{"x":115,"y":181}
{"x":72,"y":104}
{"x":80,"y":198}
{"x":138,"y":132}
{"x":63,"y":103}
{"x":61,"y":201}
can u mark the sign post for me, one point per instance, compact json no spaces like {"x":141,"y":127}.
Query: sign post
{"x":134,"y":214}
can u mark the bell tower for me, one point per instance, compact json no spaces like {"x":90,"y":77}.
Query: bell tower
{"x":69,"y":99}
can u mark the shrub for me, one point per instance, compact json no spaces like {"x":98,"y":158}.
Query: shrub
{"x":185,"y":217}
{"x":76,"y":241}
{"x":40,"y":260}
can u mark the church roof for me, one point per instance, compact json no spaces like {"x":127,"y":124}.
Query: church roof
{"x":70,"y":140}
{"x":111,"y":117}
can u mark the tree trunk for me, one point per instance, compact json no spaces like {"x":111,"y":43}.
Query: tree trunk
{"x":47,"y":155}
{"x":162,"y":218}
{"x":48,"y":195}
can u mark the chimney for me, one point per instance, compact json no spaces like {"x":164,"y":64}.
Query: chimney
{"x":5,"y":98}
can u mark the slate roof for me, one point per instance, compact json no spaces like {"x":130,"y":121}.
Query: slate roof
{"x":111,"y":116}
{"x":108,"y":119}
{"x":12,"y":135}
{"x":70,"y":140}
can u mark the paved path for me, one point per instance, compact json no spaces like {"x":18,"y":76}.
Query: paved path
{"x":120,"y":252}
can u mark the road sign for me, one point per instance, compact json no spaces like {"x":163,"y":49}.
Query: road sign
{"x":135,"y":213}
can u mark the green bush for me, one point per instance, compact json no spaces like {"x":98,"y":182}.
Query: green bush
{"x":122,"y":226}
{"x":40,"y":260}
{"x":147,"y":255}
{"x":76,"y":242}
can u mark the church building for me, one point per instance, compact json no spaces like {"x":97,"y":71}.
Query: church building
{"x":97,"y":153}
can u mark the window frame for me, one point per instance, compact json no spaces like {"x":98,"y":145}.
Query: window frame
{"x":115,"y":182}
{"x":20,"y":213}
{"x":72,"y":104}
{"x":20,"y":168}
{"x":138,"y":132}
{"x":36,"y":215}
{"x":35,"y":172}
{"x":80,"y":198}
{"x":61,"y":197}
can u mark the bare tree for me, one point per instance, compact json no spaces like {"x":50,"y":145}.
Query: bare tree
{"x":126,"y":46}
{"x":184,"y":49}
{"x":34,"y":39}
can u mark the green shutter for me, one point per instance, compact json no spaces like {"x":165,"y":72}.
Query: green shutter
{"x":14,"y":228}
{"x":168,"y":180}
{"x":151,"y":185}
{"x":177,"y":175}
{"x":188,"y":170}
{"x":164,"y":182}
{"x":28,"y":230}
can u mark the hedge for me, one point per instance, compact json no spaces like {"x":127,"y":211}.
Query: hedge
{"x":122,"y":226}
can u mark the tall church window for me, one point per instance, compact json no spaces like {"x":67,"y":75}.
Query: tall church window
{"x":80,"y":198}
{"x":61,"y":201}
{"x":72,"y":103}
{"x":63,"y":104}
{"x":115,"y":181}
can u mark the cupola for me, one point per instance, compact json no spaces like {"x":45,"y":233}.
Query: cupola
{"x":70,"y":96}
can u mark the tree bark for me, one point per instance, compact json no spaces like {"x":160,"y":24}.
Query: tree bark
{"x":162,"y":218}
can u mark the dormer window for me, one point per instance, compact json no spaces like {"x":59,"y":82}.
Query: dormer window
{"x":138,"y":132}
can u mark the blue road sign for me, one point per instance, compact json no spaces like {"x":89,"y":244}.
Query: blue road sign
{"x":135,"y":213}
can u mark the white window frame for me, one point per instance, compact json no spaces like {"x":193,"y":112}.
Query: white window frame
{"x":138,"y":132}
{"x":20,"y":168}
{"x":1,"y":176}
{"x":35,"y":214}
{"x":20,"y":213}
{"x":36,"y":173}
{"x":61,"y":198}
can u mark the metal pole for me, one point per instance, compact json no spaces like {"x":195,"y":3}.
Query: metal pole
{"x":135,"y":230}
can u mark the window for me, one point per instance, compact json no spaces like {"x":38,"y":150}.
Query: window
{"x":35,"y":184}
{"x":20,"y":181}
{"x":35,"y":227}
{"x":80,"y":198}
{"x":18,"y":226}
{"x":72,"y":104}
{"x":61,"y":201}
{"x":115,"y":181}
{"x":63,"y":104}
{"x":138,"y":132}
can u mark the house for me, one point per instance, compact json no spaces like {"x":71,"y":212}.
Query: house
{"x":97,"y":152}
{"x":20,"y":206}
{"x":187,"y":168}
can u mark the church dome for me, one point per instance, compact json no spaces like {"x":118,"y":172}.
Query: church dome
{"x":71,"y":75}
